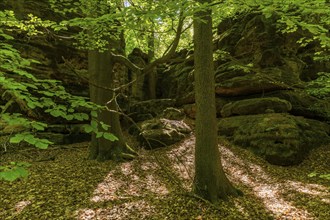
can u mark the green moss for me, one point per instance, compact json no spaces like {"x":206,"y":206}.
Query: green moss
{"x":280,"y":138}
{"x":256,"y":106}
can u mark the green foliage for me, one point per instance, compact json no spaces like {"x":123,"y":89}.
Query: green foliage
{"x":32,"y":26}
{"x":13,"y":171}
{"x":320,"y":87}
{"x":100,"y":129}
{"x":139,"y":21}
{"x":34,"y":96}
{"x":310,"y":17}
{"x":322,"y":176}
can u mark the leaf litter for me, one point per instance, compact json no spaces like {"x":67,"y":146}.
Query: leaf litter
{"x":157,"y":185}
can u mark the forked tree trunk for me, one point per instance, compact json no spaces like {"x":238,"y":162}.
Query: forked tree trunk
{"x":210,"y":181}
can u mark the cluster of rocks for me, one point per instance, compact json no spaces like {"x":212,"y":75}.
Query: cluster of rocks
{"x":157,"y":123}
{"x":261,"y":76}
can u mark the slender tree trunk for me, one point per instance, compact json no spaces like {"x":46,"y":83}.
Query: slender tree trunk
{"x":210,"y":181}
{"x":152,"y":76}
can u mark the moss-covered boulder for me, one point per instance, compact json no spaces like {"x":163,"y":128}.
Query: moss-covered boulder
{"x":304,"y":104}
{"x":256,"y":106}
{"x":281,"y":139}
{"x":162,"y":132}
{"x":173,"y":114}
{"x":141,"y":111}
{"x":232,"y":81}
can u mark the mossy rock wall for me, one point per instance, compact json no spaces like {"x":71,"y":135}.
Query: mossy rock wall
{"x":282,"y":139}
{"x":261,"y":78}
{"x":256,"y":106}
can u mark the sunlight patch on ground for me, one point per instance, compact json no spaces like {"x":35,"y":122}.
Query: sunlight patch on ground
{"x":20,"y":206}
{"x":182,"y":160}
{"x":264,"y":186}
{"x":126,"y":182}
{"x":135,"y":179}
{"x":141,"y":209}
{"x":311,"y":189}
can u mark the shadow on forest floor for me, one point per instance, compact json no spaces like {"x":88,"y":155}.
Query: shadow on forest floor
{"x":156,"y":186}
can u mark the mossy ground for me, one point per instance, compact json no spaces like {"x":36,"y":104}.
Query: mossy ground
{"x":156,"y":186}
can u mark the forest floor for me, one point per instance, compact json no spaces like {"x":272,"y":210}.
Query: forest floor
{"x":63,"y":184}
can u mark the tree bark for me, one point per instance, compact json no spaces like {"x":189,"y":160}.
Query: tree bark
{"x":102,"y":78}
{"x":210,"y":181}
{"x":152,"y":76}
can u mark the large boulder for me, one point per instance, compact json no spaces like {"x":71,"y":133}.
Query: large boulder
{"x":173,"y":114}
{"x":281,"y":139}
{"x":160,"y":132}
{"x":149,"y":109}
{"x":304,"y":104}
{"x":231,"y":81}
{"x":256,"y":106}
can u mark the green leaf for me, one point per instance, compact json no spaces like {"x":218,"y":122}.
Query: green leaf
{"x":38,"y":126}
{"x":81,"y":116}
{"x":94,"y":114}
{"x":110,"y":136}
{"x":22,"y":172}
{"x":325,"y":176}
{"x":31,"y":105}
{"x":88,"y":128}
{"x":55,"y":113}
{"x":99,"y":134}
{"x":105,"y":126}
{"x":313,"y":174}
{"x":30,"y":139}
{"x":41,"y":145}
{"x":16,"y":139}
{"x":13,"y":174}
{"x":69,"y":117}
{"x":9,"y":175}
{"x":94,"y":124}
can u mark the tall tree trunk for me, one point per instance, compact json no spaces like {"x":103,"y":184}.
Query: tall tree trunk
{"x":152,"y":75}
{"x":102,"y":77}
{"x":210,"y":181}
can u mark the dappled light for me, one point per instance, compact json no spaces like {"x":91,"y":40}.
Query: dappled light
{"x":314,"y":190}
{"x":140,"y":209}
{"x":137,"y":178}
{"x":264,"y":186}
{"x":203,"y":109}
{"x":20,"y":206}
{"x":129,"y":180}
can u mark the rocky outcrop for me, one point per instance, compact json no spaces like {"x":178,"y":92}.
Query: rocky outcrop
{"x":256,"y":106}
{"x":173,"y":114}
{"x":261,"y":77}
{"x":304,"y":104}
{"x":282,"y":139}
{"x":162,"y":132}
{"x":140,"y":111}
